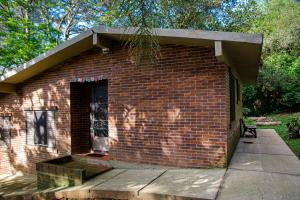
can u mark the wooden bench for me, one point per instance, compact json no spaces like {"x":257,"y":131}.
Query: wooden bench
{"x":246,"y":128}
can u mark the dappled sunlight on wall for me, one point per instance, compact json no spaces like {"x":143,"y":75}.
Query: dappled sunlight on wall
{"x":113,"y":130}
{"x":129,"y":116}
{"x":168,"y":139}
{"x":34,"y":99}
{"x":173,"y":113}
{"x":40,"y":95}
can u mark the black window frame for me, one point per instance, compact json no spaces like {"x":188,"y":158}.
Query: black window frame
{"x":232,"y":96}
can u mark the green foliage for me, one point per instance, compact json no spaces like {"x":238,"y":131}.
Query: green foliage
{"x":278,"y":84}
{"x":29,"y":28}
{"x":294,"y":124}
{"x":246,"y":112}
{"x":142,"y":14}
{"x":20,"y":37}
{"x":177,"y":14}
{"x":249,"y":121}
{"x":239,"y":16}
{"x":280,"y":25}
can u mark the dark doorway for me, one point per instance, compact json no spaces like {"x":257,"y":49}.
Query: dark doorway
{"x":89,"y":117}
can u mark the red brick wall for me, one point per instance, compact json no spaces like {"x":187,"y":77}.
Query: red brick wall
{"x":173,"y":113}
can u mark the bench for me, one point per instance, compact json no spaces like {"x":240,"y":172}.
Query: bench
{"x":246,"y":128}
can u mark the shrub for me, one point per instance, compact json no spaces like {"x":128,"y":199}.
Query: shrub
{"x":278,"y":85}
{"x":294,"y":125}
{"x":246,"y":112}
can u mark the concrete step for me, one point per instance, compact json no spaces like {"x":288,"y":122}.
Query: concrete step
{"x":147,"y":184}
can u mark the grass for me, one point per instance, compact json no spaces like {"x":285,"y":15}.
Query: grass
{"x":282,"y":131}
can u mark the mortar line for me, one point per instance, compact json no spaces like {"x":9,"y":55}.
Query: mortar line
{"x":138,"y":192}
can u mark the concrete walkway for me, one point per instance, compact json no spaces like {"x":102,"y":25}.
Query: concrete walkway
{"x":262,"y":168}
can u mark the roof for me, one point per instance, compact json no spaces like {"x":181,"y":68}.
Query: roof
{"x":240,"y":50}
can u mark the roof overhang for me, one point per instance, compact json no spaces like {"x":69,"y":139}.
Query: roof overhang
{"x":239,"y":50}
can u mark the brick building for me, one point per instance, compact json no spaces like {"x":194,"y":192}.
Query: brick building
{"x":87,"y":96}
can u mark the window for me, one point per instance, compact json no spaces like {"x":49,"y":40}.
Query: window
{"x":99,"y":110}
{"x":237,"y":91}
{"x":232,"y":96}
{"x":4,"y":131}
{"x":40,"y":128}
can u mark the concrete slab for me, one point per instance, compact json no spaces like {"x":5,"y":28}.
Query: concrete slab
{"x":22,"y":193}
{"x":267,"y":142}
{"x":185,"y":184}
{"x":5,"y":176}
{"x":265,"y":139}
{"x":267,"y":163}
{"x":46,"y":194}
{"x":125,"y":185}
{"x":273,"y":149}
{"x":251,"y":185}
{"x":266,"y":133}
{"x":246,"y":161}
{"x":17,"y":186}
{"x":83,"y":191}
{"x":133,"y":165}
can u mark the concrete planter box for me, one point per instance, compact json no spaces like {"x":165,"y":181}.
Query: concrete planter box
{"x":65,"y":171}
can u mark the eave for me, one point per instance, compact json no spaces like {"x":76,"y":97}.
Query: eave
{"x":234,"y":49}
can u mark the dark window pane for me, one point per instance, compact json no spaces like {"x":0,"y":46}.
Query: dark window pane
{"x":40,"y":126}
{"x":232,"y":96}
{"x":99,"y":109}
{"x":237,"y":91}
{"x":4,"y":131}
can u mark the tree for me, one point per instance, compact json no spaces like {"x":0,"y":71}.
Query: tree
{"x":278,"y":85}
{"x":176,"y":14}
{"x":20,"y":39}
{"x":68,"y":17}
{"x":30,"y":27}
